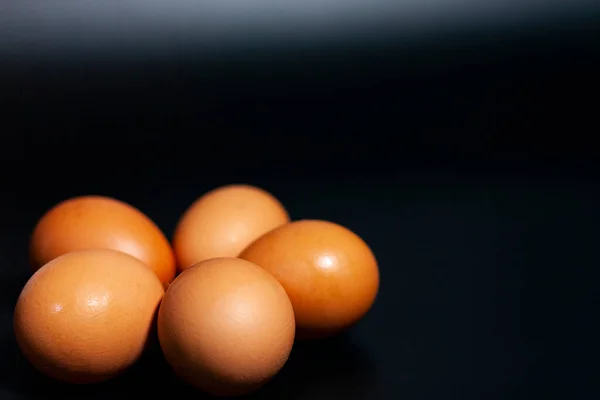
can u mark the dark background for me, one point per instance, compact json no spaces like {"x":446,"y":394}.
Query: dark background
{"x":462,"y":152}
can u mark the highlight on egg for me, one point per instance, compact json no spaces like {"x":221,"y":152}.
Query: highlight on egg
{"x":224,"y":221}
{"x":98,"y":222}
{"x":251,"y":282}
{"x":87,"y":316}
{"x":329,"y":273}
{"x":226,"y":326}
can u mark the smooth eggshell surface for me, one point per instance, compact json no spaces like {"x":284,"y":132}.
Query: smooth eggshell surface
{"x":96,"y":222}
{"x":224,"y":221}
{"x":329,"y":273}
{"x":86,"y":316}
{"x":226,"y":326}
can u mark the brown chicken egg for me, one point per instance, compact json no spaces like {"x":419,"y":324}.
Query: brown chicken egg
{"x":226,"y":326}
{"x":329,"y":273}
{"x":96,"y":222}
{"x":224,"y":221}
{"x":86,"y":316}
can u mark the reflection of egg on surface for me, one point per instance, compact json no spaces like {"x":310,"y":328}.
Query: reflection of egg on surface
{"x":226,"y":326}
{"x":86,"y":316}
{"x":224,"y":221}
{"x":329,"y":273}
{"x":95,"y":222}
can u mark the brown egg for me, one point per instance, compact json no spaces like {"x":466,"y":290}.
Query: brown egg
{"x":329,"y":273}
{"x":224,"y":221}
{"x":95,"y":222}
{"x":86,"y":316}
{"x":226,"y":326}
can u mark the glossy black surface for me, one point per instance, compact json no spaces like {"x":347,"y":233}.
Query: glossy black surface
{"x":99,"y":29}
{"x":464,"y":157}
{"x":481,"y":283}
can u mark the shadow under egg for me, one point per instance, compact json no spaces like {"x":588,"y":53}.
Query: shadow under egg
{"x":322,"y":369}
{"x":19,"y":377}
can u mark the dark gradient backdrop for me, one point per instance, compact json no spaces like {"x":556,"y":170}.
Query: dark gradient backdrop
{"x":457,"y":138}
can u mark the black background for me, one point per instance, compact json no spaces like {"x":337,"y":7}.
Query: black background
{"x":466,"y":160}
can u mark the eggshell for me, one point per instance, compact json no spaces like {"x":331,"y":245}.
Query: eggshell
{"x":329,"y":273}
{"x":224,"y":221}
{"x":96,"y":222}
{"x":86,"y":316}
{"x":226,"y":326}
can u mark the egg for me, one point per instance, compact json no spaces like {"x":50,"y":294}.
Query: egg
{"x":226,"y":326}
{"x":97,"y":222}
{"x":86,"y":316}
{"x":224,"y":221}
{"x":329,"y":273}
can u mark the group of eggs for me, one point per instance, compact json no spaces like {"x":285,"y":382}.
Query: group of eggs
{"x":250,"y":282}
